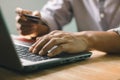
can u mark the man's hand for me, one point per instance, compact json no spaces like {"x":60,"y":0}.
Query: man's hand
{"x":27,"y":27}
{"x":59,"y":41}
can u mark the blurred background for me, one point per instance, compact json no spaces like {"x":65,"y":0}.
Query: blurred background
{"x":8,"y":7}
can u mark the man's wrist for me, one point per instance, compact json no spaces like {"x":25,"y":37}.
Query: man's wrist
{"x":90,"y":39}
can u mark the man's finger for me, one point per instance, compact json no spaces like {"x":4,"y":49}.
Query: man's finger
{"x":57,"y":50}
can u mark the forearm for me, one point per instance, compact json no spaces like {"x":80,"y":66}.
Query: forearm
{"x":104,"y":41}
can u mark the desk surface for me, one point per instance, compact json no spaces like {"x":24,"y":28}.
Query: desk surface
{"x":99,"y":67}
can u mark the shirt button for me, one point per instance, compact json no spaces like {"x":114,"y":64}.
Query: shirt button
{"x":102,"y":15}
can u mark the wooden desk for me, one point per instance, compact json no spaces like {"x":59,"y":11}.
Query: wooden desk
{"x":99,"y":67}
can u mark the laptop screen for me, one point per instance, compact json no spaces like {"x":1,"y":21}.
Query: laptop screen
{"x":7,"y":56}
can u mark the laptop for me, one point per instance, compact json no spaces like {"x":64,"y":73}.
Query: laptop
{"x":16,"y":56}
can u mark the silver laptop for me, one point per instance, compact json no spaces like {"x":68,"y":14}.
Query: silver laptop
{"x":16,"y":56}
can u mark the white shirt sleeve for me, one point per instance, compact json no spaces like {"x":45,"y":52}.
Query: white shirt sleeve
{"x":57,"y":13}
{"x":117,"y":30}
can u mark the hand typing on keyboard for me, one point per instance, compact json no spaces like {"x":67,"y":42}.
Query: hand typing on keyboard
{"x":61,"y":41}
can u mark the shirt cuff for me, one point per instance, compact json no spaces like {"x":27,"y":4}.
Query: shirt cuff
{"x":117,"y":30}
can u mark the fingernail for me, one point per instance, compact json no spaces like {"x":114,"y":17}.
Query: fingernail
{"x":41,"y":52}
{"x":30,"y":49}
{"x":34,"y":51}
{"x":50,"y":55}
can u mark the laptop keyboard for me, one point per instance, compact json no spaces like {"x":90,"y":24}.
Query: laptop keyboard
{"x":23,"y":52}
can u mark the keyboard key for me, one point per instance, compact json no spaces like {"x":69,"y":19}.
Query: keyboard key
{"x":23,"y":52}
